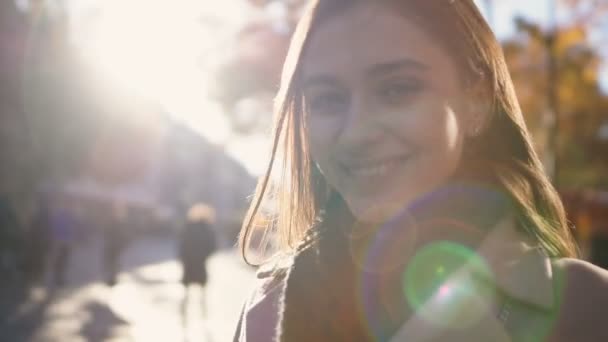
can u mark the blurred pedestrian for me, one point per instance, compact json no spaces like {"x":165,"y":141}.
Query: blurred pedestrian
{"x":63,"y":228}
{"x":12,"y":293}
{"x":38,"y":241}
{"x":115,"y":240}
{"x":11,"y":243}
{"x":197,"y":243}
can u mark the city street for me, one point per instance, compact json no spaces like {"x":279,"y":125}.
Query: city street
{"x":145,"y":304}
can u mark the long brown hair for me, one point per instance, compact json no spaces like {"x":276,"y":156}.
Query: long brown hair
{"x":502,"y":153}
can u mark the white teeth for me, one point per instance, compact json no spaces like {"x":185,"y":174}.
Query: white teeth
{"x":375,"y":170}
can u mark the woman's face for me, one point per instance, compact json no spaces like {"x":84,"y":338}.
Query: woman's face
{"x":385,"y":110}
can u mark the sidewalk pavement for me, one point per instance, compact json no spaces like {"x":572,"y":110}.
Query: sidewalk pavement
{"x":145,"y":304}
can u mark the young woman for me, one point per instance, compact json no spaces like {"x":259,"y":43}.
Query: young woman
{"x":412,"y":205}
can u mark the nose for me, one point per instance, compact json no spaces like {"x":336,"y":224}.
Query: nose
{"x":360,"y":130}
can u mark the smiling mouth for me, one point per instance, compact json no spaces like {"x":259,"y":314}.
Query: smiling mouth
{"x":375,"y":168}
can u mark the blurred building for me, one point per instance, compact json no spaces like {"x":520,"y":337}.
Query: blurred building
{"x":64,"y":130}
{"x":159,"y":176}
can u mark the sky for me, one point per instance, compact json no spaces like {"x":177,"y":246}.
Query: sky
{"x":506,"y":11}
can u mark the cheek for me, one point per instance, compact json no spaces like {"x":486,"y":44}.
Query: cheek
{"x":431,"y":128}
{"x":444,"y":131}
{"x":321,"y":134}
{"x":453,"y":129}
{"x":445,"y":150}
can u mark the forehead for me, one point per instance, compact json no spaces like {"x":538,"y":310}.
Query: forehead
{"x":368,"y":34}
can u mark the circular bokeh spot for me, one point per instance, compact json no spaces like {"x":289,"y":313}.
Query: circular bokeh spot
{"x":441,"y":285}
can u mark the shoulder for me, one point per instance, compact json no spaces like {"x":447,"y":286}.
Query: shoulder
{"x":260,"y":316}
{"x":270,"y":277}
{"x":582,"y":296}
{"x":580,"y":283}
{"x":581,"y":279}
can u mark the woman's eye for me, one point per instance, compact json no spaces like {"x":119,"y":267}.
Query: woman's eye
{"x":396,"y":93}
{"x":330,"y":103}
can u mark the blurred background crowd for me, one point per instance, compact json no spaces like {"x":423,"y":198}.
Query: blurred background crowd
{"x":118,"y":118}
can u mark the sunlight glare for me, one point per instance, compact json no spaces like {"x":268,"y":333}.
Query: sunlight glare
{"x":145,"y":46}
{"x":155,"y":50}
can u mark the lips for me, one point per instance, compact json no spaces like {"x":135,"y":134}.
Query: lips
{"x":375,"y":168}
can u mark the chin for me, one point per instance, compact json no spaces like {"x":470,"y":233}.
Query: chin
{"x":376,"y":212}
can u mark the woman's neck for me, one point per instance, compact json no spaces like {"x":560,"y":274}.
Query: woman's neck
{"x":460,"y":213}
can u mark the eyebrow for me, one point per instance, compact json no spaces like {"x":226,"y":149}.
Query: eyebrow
{"x":388,"y":67}
{"x":321,"y":80}
{"x":374,"y":71}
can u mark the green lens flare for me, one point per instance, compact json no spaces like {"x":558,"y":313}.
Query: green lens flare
{"x":440,"y":285}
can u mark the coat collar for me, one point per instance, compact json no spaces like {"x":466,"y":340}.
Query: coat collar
{"x":522,"y":272}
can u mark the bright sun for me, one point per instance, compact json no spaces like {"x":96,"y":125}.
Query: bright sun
{"x":155,"y":48}
{"x":148,"y":46}
{"x":159,"y":49}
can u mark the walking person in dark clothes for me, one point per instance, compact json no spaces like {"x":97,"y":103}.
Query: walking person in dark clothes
{"x":115,"y":241}
{"x":38,"y":240}
{"x":197,"y":243}
{"x":11,"y":245}
{"x":63,"y":227}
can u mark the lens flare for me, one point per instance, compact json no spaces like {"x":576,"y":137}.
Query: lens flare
{"x":440,"y":284}
{"x":422,"y":262}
